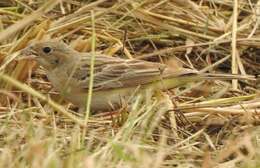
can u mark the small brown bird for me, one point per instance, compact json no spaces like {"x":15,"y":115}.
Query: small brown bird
{"x":114,"y":78}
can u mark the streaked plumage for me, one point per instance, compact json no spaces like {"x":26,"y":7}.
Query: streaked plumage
{"x":114,"y":78}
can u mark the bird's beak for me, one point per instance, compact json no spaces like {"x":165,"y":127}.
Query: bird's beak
{"x":27,"y":53}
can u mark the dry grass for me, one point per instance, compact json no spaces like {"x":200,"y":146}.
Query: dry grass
{"x":212,"y":124}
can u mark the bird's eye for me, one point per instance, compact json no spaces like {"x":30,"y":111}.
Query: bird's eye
{"x":47,"y":50}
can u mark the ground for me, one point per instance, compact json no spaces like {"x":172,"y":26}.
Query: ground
{"x":202,"y":124}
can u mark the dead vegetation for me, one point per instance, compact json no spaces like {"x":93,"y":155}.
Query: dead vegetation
{"x":212,"y":123}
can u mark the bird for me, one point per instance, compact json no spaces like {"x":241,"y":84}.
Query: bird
{"x":114,"y":78}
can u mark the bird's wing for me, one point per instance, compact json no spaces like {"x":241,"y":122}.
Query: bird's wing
{"x":112,"y":73}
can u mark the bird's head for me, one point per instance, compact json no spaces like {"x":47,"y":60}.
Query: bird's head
{"x":51,"y":54}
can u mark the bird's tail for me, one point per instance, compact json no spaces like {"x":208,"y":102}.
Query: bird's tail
{"x":211,"y":76}
{"x":180,"y":80}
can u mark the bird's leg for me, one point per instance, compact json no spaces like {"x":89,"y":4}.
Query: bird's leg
{"x":167,"y":105}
